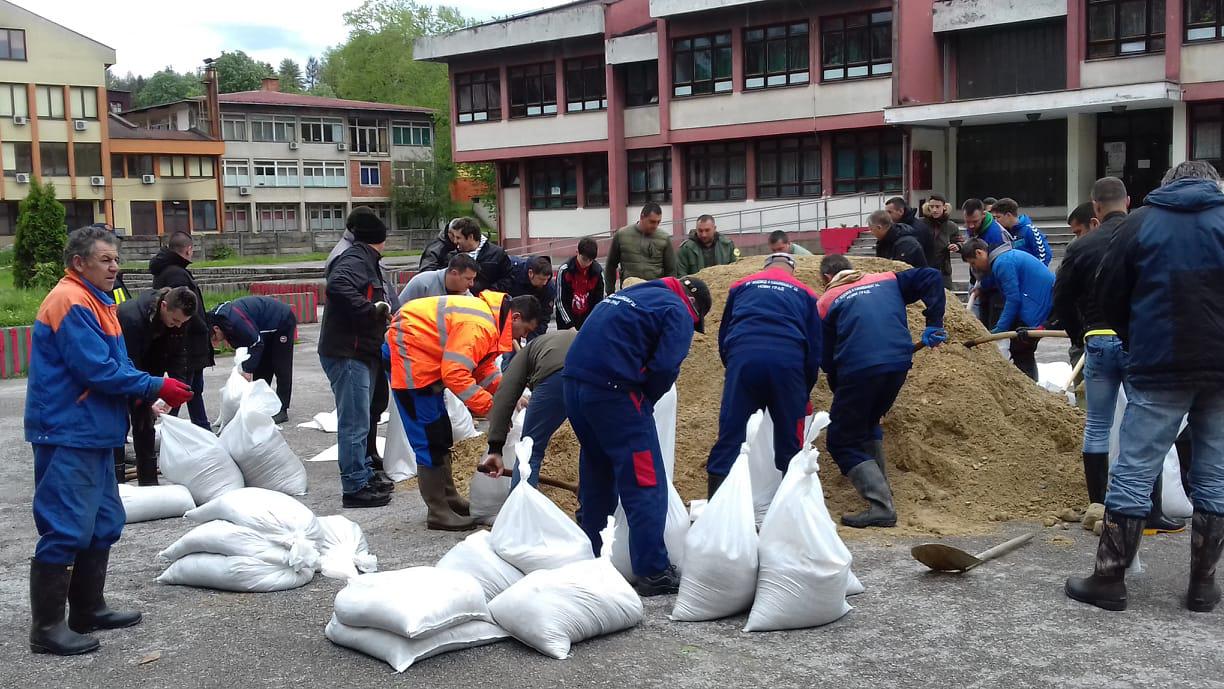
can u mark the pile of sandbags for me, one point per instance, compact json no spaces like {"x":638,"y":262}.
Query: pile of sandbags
{"x":235,"y":385}
{"x":256,"y":445}
{"x":343,"y":551}
{"x":193,"y":457}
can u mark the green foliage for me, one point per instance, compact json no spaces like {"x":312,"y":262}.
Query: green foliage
{"x":290,"y":75}
{"x":167,"y":86}
{"x":41,"y":235}
{"x":312,"y":73}
{"x":47,"y":274}
{"x":132,"y":83}
{"x":237,"y":71}
{"x":6,"y":258}
{"x":222,"y":252}
{"x":20,"y":306}
{"x":425,"y":204}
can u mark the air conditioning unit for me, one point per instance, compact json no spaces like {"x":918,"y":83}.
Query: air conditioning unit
{"x":293,"y":145}
{"x":97,"y":181}
{"x":341,"y":146}
{"x":20,"y":120}
{"x":148,"y":179}
{"x":78,"y":125}
{"x":244,"y":191}
{"x":23,"y":178}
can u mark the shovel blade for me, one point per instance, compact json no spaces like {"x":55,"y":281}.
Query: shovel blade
{"x":944,"y":558}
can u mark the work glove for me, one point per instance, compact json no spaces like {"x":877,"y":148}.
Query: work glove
{"x":932,"y":337}
{"x":175,"y":392}
{"x":382,"y":311}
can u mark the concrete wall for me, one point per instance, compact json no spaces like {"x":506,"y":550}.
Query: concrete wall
{"x":1081,"y":157}
{"x":1128,"y":70}
{"x":575,"y":222}
{"x":954,"y":15}
{"x":56,"y":55}
{"x":511,"y":220}
{"x":532,"y":131}
{"x":770,"y":105}
{"x":1180,"y":147}
{"x":942,"y":174}
{"x":1202,"y":62}
{"x":642,"y":121}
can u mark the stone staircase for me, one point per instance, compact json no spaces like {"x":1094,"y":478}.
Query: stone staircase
{"x":230,"y":279}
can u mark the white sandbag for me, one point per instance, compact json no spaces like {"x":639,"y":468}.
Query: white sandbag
{"x":344,"y":552}
{"x":515,"y":434}
{"x":486,"y":495}
{"x":696,"y":509}
{"x":675,"y":529}
{"x":412,"y":602}
{"x":805,"y":567}
{"x":193,"y":457}
{"x":764,"y":473}
{"x":720,"y":553}
{"x":257,"y":446}
{"x":266,"y":511}
{"x":531,"y":532}
{"x":233,"y":573}
{"x":146,"y":503}
{"x":401,"y":653}
{"x":474,"y":556}
{"x":220,"y":537}
{"x":235,"y":385}
{"x":665,"y":425}
{"x":462,"y":424}
{"x":812,"y":426}
{"x":326,"y":421}
{"x":853,"y":586}
{"x":332,"y":454}
{"x":399,"y":459}
{"x":549,"y":610}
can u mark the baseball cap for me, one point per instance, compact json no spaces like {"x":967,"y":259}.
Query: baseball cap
{"x":699,"y":294}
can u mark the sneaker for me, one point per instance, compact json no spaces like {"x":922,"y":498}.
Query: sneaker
{"x":381,"y":482}
{"x":368,"y":496}
{"x":281,"y":417}
{"x":664,"y":583}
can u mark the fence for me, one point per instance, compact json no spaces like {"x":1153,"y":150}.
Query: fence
{"x":14,"y":351}
{"x":137,"y":248}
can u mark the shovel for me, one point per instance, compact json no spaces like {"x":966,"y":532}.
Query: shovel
{"x":945,"y":558}
{"x":1009,"y":334}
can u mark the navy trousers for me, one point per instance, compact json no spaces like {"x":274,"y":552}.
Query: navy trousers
{"x":76,"y":502}
{"x":426,"y":424}
{"x":545,"y":414}
{"x":620,"y":458}
{"x":755,"y":380}
{"x":854,"y":418}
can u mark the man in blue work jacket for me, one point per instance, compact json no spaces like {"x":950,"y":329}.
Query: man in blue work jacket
{"x":266,"y":327}
{"x":1027,"y":286}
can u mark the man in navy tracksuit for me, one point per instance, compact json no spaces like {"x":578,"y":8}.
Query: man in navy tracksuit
{"x":769,"y":341}
{"x":266,"y":328}
{"x":1027,"y":286}
{"x":625,"y":358}
{"x":867,"y":355}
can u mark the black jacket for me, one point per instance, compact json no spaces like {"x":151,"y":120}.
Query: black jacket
{"x":252,"y":322}
{"x":922,"y":233}
{"x":1075,"y":297}
{"x":152,"y":347}
{"x":170,"y":270}
{"x":351,"y":327}
{"x":436,"y":253}
{"x":496,"y":271}
{"x":901,"y":245}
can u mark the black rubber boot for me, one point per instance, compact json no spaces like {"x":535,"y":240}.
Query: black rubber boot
{"x":87,"y":610}
{"x":664,"y":583}
{"x":877,"y":451}
{"x":1157,"y":522}
{"x":1106,"y":588}
{"x":871,"y":484}
{"x":1206,"y":543}
{"x":48,"y":597}
{"x":713,"y":481}
{"x":456,"y":501}
{"x":1096,"y":475}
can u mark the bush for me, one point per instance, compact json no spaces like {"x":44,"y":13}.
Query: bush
{"x":47,"y":275}
{"x":41,"y":234}
{"x":221,"y":252}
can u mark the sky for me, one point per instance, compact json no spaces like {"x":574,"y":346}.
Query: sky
{"x":146,"y":39}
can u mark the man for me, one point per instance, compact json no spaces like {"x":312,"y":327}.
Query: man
{"x":987,"y":302}
{"x":867,"y":353}
{"x":169,"y":269}
{"x":533,"y":275}
{"x":1159,"y":286}
{"x":705,"y":247}
{"x":580,"y":286}
{"x":769,"y":342}
{"x":780,"y":243}
{"x":450,"y":343}
{"x":157,"y":343}
{"x":892,"y":243}
{"x":640,"y":250}
{"x":456,"y":278}
{"x":350,"y":342}
{"x":537,"y":368}
{"x":1082,"y":220}
{"x":625,"y":358}
{"x":944,"y":233}
{"x":906,"y":220}
{"x":988,"y":203}
{"x":1026,"y":285}
{"x":266,"y":327}
{"x":80,"y":380}
{"x":434,"y":257}
{"x":1025,"y":236}
{"x":495,"y":271}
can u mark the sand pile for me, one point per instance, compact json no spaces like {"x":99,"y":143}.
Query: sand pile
{"x":969,"y":442}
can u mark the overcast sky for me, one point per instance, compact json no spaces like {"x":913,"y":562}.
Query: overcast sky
{"x":148,"y":36}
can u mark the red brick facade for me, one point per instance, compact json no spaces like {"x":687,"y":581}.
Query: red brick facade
{"x":384,"y":177}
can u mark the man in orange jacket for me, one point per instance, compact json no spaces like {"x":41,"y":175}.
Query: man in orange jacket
{"x":450,"y":343}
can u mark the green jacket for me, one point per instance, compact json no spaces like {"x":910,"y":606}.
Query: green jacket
{"x":691,"y":258}
{"x":797,"y":250}
{"x":639,"y":256}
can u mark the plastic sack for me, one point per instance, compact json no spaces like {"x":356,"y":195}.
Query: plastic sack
{"x":220,"y":537}
{"x":720,"y":552}
{"x":675,"y":529}
{"x":344,"y":552}
{"x":665,"y":424}
{"x":399,"y":460}
{"x":235,"y":385}
{"x":413,"y":602}
{"x":763,"y":472}
{"x":193,"y":457}
{"x":463,"y":426}
{"x":265,"y":511}
{"x":531,"y":532}
{"x":257,"y":446}
{"x":146,"y":503}
{"x":486,"y":496}
{"x":474,"y":556}
{"x":233,"y":573}
{"x":401,"y":653}
{"x":550,"y":610}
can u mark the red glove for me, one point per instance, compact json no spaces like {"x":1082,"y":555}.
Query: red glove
{"x":175,"y":392}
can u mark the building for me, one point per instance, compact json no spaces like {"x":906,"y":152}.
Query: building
{"x":767,"y":113}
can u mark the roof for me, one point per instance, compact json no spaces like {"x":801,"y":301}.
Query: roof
{"x":577,"y":19}
{"x":120,"y":128}
{"x":301,"y":100}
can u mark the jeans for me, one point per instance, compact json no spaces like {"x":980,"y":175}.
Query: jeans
{"x":1104,"y":366}
{"x":195,"y":407}
{"x":1149,"y":429}
{"x":545,"y":414}
{"x":350,"y":384}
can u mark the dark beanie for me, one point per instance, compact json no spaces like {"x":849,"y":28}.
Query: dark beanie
{"x":365,"y":226}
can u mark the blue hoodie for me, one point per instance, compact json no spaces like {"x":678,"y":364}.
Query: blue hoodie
{"x":1027,"y":286}
{"x":1031,"y":240}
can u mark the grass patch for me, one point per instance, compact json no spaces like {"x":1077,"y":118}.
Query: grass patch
{"x":6,"y":258}
{"x":215,"y":299}
{"x":19,"y":306}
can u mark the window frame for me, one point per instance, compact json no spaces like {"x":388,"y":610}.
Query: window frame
{"x":522,"y":104}
{"x":230,"y":122}
{"x":862,"y":141}
{"x":147,"y":213}
{"x":309,"y":127}
{"x":83,"y":150}
{"x":231,"y":218}
{"x":283,"y":129}
{"x":790,"y":75}
{"x":146,"y":164}
{"x":1211,"y":114}
{"x":367,"y":180}
{"x":489,"y":81}
{"x":43,"y":151}
{"x":594,"y":175}
{"x":685,"y":49}
{"x":1216,"y":26}
{"x":411,"y":134}
{"x":334,"y":212}
{"x":11,"y":167}
{"x":1153,"y":42}
{"x":562,"y":170}
{"x":411,"y":174}
{"x":800,"y":147}
{"x":177,"y":166}
{"x":200,"y":211}
{"x":39,"y":89}
{"x":362,"y":133}
{"x":876,"y":67}
{"x":9,"y":53}
{"x":80,"y":102}
{"x":233,"y":172}
{"x":174,"y":211}
{"x":13,"y":100}
{"x":643,"y":161}
{"x":703,"y":161}
{"x":648,"y":79}
{"x":288,"y":212}
{"x":586,"y":76}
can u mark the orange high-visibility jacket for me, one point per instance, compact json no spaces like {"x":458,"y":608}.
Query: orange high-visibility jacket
{"x":455,"y":340}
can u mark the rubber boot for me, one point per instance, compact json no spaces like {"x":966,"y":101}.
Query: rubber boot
{"x":713,"y":481}
{"x":87,"y":610}
{"x":1106,"y":588}
{"x":871,"y":484}
{"x":48,"y":597}
{"x":1096,"y":475}
{"x":877,"y":451}
{"x":1206,"y":543}
{"x":432,"y":482}
{"x":1157,"y":522}
{"x":456,"y":501}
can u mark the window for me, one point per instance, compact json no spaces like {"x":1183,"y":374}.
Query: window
{"x":176,"y":217}
{"x":371,"y":175}
{"x":585,"y":84}
{"x":78,"y":213}
{"x":116,"y":170}
{"x":236,"y":173}
{"x":265,"y":128}
{"x":1204,"y":20}
{"x":49,"y":101}
{"x":856,"y":45}
{"x":641,"y":83}
{"x":84,"y":102}
{"x":138,"y":166}
{"x":144,"y":218}
{"x":203,"y":216}
{"x":478,"y":96}
{"x":717,"y":172}
{"x":87,"y":159}
{"x":533,"y":90}
{"x":200,"y":167}
{"x":8,"y":218}
{"x":788,"y":168}
{"x":276,"y":173}
{"x":595,"y":180}
{"x":369,"y":136}
{"x":265,"y":173}
{"x":1028,"y":57}
{"x":1125,"y":27}
{"x":317,"y":173}
{"x":18,"y":157}
{"x":412,"y":174}
{"x":1207,"y":133}
{"x":237,"y":217}
{"x":776,"y":56}
{"x":54,"y":158}
{"x":322,"y":130}
{"x":277,"y":217}
{"x":380,"y":211}
{"x":650,"y":175}
{"x":554,"y":183}
{"x":12,"y":44}
{"x":867,"y":161}
{"x":173,"y":166}
{"x":14,"y":101}
{"x":233,"y":128}
{"x":701,"y":64}
{"x":411,"y":134}
{"x":325,"y":216}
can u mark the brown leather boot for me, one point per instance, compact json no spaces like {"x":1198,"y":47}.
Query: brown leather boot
{"x":432,"y":482}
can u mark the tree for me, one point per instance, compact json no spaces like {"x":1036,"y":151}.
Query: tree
{"x":290,"y":76}
{"x":167,"y":86}
{"x":42,"y":232}
{"x":236,"y":71}
{"x":312,"y":73}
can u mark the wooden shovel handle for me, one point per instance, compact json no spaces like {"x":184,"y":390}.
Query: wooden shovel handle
{"x":1005,"y":547}
{"x":1009,"y":334}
